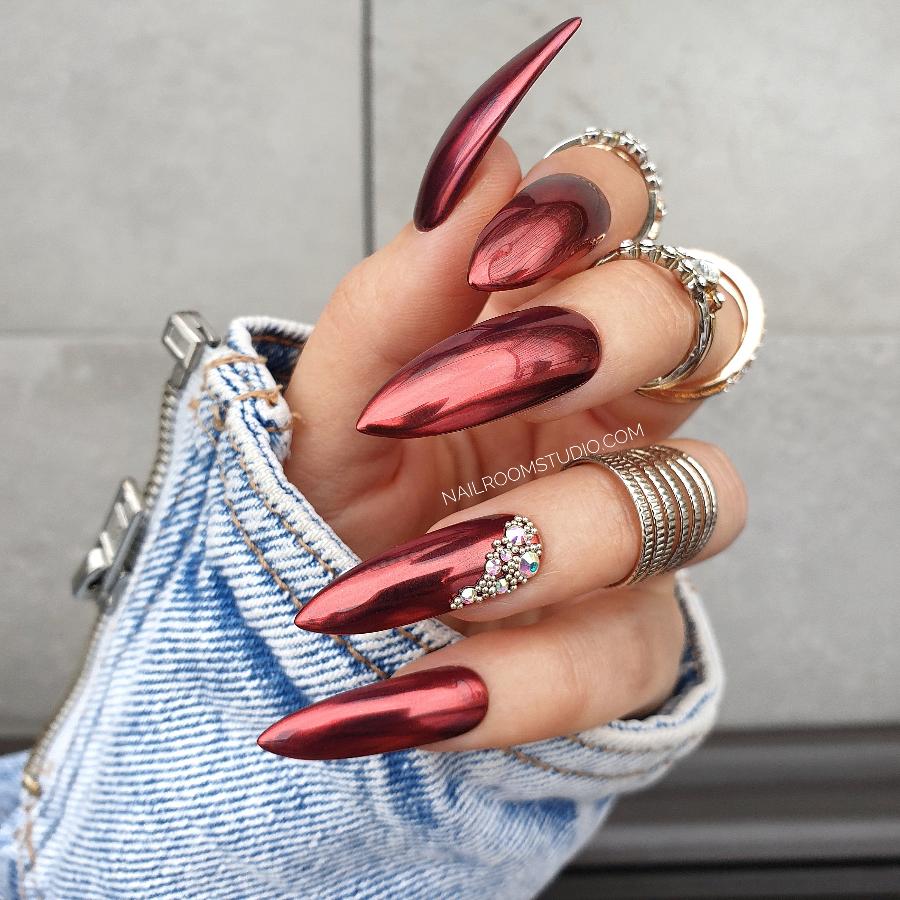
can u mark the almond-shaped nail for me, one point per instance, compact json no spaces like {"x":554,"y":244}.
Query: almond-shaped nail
{"x":493,"y":369}
{"x":402,"y":712}
{"x":463,"y":564}
{"x":552,"y":220}
{"x":477,"y":123}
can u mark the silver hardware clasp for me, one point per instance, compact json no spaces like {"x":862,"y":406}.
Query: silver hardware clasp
{"x":186,"y":336}
{"x":116,"y":546}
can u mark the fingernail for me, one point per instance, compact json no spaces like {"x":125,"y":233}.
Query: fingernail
{"x":551,"y":220}
{"x":493,"y":369}
{"x":460,"y":565}
{"x":402,"y":712}
{"x":478,"y":122}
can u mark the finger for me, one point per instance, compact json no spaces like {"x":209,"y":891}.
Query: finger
{"x":607,"y":657}
{"x":391,"y":306}
{"x":571,"y":208}
{"x":604,"y":332}
{"x":588,"y":535}
{"x":594,"y":662}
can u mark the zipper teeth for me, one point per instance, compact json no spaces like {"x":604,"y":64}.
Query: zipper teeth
{"x":30,"y":775}
{"x":164,"y":444}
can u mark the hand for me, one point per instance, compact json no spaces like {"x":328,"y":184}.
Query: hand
{"x":565,"y":652}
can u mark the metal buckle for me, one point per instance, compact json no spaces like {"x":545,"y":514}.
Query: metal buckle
{"x":116,"y":546}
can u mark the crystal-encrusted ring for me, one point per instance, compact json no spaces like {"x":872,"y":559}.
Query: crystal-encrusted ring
{"x":701,"y":281}
{"x":514,"y":557}
{"x":629,"y":148}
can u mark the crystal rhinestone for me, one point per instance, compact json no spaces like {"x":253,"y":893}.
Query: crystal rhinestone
{"x":467,"y":595}
{"x":492,"y":566}
{"x":502,"y":586}
{"x":515,"y":534}
{"x":535,"y":539}
{"x":706,"y":271}
{"x":529,"y":563}
{"x":505,"y":554}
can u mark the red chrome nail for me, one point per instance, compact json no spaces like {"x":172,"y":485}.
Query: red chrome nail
{"x":396,"y":714}
{"x":498,"y":367}
{"x":416,"y":580}
{"x":478,"y":122}
{"x":551,"y":220}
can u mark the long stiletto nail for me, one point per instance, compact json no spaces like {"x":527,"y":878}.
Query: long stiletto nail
{"x":478,"y":122}
{"x":402,"y":712}
{"x":498,"y":367}
{"x":462,"y":564}
{"x":551,"y":220}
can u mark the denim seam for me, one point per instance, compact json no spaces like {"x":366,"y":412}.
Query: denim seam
{"x":279,"y":581}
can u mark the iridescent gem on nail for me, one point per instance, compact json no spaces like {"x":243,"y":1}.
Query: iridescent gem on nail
{"x":515,"y":534}
{"x":505,"y":567}
{"x":528,"y":564}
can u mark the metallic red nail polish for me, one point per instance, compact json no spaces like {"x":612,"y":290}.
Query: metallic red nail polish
{"x":402,"y":712}
{"x":478,"y":122}
{"x":416,"y":580}
{"x":551,"y":220}
{"x":496,"y":368}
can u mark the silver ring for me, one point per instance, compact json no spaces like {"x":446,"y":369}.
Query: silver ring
{"x":700,"y":280}
{"x":629,"y":148}
{"x":675,"y":500}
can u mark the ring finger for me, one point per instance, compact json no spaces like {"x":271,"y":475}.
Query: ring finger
{"x":580,"y":532}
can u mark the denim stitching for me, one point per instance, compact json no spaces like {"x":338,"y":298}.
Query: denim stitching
{"x":359,"y":657}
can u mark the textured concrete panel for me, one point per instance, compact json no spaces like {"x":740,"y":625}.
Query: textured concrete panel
{"x":80,"y":416}
{"x":770,"y":124}
{"x":156,"y":155}
{"x":805,"y":603}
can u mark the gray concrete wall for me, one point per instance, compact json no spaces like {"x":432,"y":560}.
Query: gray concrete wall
{"x":164,"y":155}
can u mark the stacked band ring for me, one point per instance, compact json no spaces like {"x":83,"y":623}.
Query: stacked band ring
{"x":675,"y":502}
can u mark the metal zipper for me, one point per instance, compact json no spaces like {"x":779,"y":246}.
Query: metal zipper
{"x":104,"y":571}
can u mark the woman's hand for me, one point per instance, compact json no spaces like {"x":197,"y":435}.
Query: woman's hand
{"x":565,"y":652}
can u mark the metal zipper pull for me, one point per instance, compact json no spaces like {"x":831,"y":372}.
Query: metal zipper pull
{"x":186,"y":336}
{"x":116,"y":546}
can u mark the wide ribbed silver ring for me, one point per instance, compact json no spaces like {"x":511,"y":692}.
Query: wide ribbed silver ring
{"x":675,"y":502}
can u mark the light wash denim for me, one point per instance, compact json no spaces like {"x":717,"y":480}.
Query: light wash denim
{"x":154,"y":785}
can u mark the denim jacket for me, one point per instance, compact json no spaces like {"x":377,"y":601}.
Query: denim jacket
{"x":150,"y":782}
